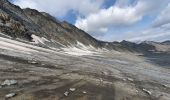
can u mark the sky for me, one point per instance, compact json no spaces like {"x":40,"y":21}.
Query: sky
{"x":111,"y":20}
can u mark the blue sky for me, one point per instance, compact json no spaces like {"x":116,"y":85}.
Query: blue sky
{"x":111,"y":20}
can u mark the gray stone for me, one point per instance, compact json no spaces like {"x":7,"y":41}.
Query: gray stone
{"x":84,"y":92}
{"x":9,"y":82}
{"x":66,"y":93}
{"x":147,"y":91}
{"x":130,"y":79}
{"x":10,"y":95}
{"x":72,"y":89}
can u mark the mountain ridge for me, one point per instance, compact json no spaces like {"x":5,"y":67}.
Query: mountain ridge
{"x":29,"y":24}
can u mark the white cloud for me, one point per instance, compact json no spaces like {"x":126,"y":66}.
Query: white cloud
{"x":113,"y":16}
{"x":123,"y":13}
{"x":150,"y":34}
{"x":24,"y":4}
{"x":155,"y":34}
{"x":163,"y":18}
{"x":60,"y":8}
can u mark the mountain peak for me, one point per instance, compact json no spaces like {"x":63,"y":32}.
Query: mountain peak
{"x":50,"y":17}
{"x":166,"y":42}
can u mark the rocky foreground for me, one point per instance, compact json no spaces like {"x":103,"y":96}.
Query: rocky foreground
{"x":42,"y":58}
{"x":29,"y":72}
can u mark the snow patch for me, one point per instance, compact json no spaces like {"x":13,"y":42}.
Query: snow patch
{"x":10,"y":46}
{"x":76,"y":51}
{"x":121,"y":62}
{"x":79,"y":49}
{"x":17,"y":46}
{"x":37,"y":39}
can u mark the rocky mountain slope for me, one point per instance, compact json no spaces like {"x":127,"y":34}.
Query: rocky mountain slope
{"x":22,"y":23}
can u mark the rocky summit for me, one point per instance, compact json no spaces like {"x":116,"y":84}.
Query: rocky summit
{"x":42,"y":58}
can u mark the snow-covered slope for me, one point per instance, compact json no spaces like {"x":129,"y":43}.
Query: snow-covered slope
{"x":40,"y":44}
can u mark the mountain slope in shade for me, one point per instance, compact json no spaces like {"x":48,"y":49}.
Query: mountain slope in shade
{"x":22,"y":23}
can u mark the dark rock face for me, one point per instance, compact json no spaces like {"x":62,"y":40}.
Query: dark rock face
{"x":14,"y":22}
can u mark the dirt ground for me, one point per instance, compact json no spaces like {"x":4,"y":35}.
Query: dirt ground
{"x":43,"y":74}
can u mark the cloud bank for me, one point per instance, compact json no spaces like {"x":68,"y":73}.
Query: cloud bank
{"x":60,"y":8}
{"x":119,"y":15}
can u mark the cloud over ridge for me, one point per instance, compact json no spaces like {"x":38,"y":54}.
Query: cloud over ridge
{"x":110,"y":22}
